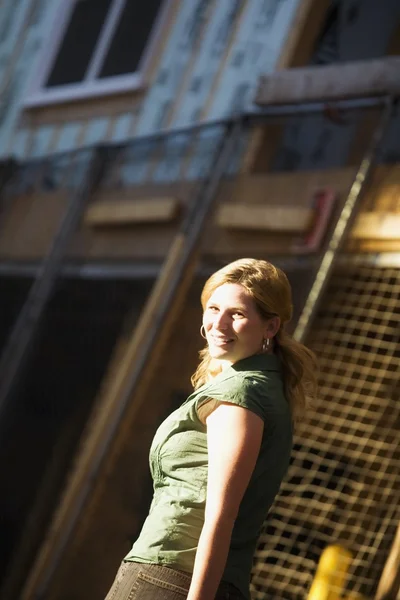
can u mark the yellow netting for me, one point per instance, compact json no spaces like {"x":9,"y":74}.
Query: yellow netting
{"x":343,"y":485}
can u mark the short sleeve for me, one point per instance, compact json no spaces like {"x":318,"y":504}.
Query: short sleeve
{"x":246,"y":391}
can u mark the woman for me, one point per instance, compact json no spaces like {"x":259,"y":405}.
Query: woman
{"x":217,"y":462}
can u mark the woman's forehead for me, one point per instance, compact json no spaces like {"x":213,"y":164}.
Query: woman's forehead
{"x":231,"y":293}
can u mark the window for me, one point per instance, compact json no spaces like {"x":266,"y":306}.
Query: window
{"x":97,"y":47}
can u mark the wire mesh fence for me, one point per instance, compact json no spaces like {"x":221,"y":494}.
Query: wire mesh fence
{"x":343,"y":484}
{"x":157,"y":159}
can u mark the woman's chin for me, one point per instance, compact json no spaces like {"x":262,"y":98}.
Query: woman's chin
{"x":228,"y":355}
{"x":217,"y":352}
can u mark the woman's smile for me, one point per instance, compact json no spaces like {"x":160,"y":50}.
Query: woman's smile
{"x":221,"y":341}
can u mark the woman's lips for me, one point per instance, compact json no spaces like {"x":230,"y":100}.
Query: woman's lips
{"x":219,"y":341}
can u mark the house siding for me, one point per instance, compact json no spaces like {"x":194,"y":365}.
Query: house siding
{"x":208,"y":69}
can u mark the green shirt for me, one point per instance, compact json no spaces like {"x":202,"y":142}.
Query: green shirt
{"x":178,"y":463}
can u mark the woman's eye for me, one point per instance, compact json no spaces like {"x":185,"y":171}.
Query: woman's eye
{"x":213,"y":308}
{"x":238,"y":314}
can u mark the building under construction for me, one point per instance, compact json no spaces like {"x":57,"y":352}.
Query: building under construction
{"x":141,"y":149}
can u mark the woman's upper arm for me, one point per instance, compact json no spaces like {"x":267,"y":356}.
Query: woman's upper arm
{"x":234,"y":437}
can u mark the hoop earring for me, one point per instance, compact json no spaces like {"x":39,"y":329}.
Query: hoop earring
{"x":266,"y":344}
{"x":203,"y":332}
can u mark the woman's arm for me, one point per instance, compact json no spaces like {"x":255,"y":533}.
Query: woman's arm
{"x":234,"y":437}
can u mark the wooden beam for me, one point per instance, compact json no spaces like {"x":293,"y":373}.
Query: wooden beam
{"x":377,"y":226}
{"x":126,"y":212}
{"x":286,"y":189}
{"x":280,"y":219}
{"x":84,"y":110}
{"x":389,"y":585}
{"x":33,"y":218}
{"x":333,"y":82}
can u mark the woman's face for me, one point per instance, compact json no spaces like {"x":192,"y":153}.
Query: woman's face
{"x":234,"y":328}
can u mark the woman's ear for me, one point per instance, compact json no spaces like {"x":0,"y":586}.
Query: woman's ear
{"x":273,"y":326}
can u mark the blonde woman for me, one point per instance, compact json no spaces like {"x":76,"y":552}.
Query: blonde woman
{"x":218,"y":461}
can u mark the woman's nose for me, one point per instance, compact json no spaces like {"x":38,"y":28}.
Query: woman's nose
{"x":220,"y":321}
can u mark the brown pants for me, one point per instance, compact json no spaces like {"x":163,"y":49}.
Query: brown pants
{"x":136,"y":581}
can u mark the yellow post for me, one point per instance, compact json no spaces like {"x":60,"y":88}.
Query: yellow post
{"x":331,"y":574}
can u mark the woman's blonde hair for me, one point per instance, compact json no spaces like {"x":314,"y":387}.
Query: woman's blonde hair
{"x":270,"y":289}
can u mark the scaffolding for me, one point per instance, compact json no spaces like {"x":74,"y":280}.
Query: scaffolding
{"x":286,"y":541}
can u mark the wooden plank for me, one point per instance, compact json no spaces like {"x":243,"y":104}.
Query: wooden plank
{"x":373,"y":246}
{"x":32,"y":219}
{"x":332,"y":82}
{"x":383,"y":193}
{"x":28,"y":225}
{"x":389,"y":585}
{"x":125,"y":212}
{"x":288,"y":189}
{"x":324,"y":202}
{"x":381,"y":197}
{"x":283,"y":189}
{"x":84,"y":110}
{"x":284,"y":219}
{"x":377,"y":226}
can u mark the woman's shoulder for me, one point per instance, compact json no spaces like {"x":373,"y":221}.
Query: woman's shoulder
{"x":253,"y":386}
{"x":258,"y":381}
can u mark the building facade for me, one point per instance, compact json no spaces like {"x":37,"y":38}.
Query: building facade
{"x":114,"y":120}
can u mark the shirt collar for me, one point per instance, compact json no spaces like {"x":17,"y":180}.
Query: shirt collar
{"x":257,"y":362}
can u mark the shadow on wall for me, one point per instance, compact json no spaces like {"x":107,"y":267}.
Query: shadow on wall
{"x":50,"y":406}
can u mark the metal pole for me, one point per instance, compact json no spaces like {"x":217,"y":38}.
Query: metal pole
{"x":259,"y":115}
{"x":14,"y":353}
{"x":343,"y":225}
